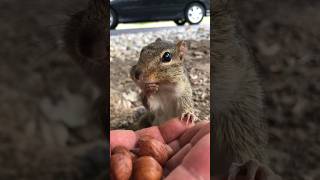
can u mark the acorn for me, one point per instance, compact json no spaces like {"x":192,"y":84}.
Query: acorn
{"x":147,"y":168}
{"x":121,"y":164}
{"x":151,"y":147}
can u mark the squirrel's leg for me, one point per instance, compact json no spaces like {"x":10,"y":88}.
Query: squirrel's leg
{"x":187,"y":109}
{"x":143,"y":121}
{"x":252,"y":170}
{"x":146,"y":119}
{"x":144,"y":100}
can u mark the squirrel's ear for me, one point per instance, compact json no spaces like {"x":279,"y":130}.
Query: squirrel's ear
{"x":158,"y":39}
{"x":182,"y":48}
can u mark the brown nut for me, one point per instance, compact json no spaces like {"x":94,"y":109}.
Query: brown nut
{"x":147,"y":168}
{"x":169,"y":151}
{"x":124,"y":150}
{"x":119,"y":149}
{"x":121,"y":164}
{"x":152,"y":147}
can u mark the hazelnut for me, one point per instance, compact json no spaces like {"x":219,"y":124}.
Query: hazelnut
{"x":147,"y":168}
{"x":123,"y":150}
{"x":119,"y":149}
{"x":152,"y":147}
{"x":121,"y":164}
{"x":169,"y":151}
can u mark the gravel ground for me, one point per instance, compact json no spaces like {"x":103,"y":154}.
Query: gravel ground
{"x":124,"y":52}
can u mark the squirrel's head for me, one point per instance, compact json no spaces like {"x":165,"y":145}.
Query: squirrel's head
{"x":160,"y":62}
{"x":85,"y":34}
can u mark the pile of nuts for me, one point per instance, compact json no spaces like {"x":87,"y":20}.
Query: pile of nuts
{"x":145,"y":164}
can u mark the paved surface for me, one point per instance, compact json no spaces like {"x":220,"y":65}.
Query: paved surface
{"x":139,"y":30}
{"x":129,"y":28}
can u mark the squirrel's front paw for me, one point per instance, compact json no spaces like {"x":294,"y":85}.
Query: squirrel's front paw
{"x":189,"y":117}
{"x":252,"y":170}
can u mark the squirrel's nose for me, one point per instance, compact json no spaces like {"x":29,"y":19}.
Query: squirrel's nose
{"x":137,"y":74}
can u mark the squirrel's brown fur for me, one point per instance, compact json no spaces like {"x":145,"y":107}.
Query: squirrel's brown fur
{"x":239,"y":128}
{"x":171,"y":93}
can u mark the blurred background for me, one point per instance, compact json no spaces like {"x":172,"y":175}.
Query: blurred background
{"x":48,"y":121}
{"x":138,"y":25}
{"x":286,"y":41}
{"x":169,"y":12}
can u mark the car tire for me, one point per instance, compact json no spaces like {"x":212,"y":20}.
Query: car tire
{"x":194,"y":13}
{"x":113,"y":19}
{"x":180,"y":22}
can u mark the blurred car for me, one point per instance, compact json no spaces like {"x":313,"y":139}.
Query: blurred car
{"x":180,"y":11}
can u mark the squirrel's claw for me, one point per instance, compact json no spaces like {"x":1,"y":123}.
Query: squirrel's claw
{"x":188,"y":117}
{"x":252,"y":170}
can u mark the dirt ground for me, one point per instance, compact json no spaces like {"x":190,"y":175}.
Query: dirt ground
{"x":285,"y":36}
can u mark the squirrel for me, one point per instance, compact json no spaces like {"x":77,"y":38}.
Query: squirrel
{"x":86,"y":40}
{"x":163,"y":79}
{"x":239,"y":129}
{"x":85,"y":37}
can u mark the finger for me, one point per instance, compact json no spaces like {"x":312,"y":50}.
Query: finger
{"x":196,"y":164}
{"x":175,"y":146}
{"x":124,"y":138}
{"x":189,"y":133}
{"x":184,"y":139}
{"x":178,"y":157}
{"x":172,"y":129}
{"x":186,"y":136}
{"x":202,"y":132}
{"x":180,"y":173}
{"x":151,"y":131}
{"x":197,"y":161}
{"x":166,"y":132}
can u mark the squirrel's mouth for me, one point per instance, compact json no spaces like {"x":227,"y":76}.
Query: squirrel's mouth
{"x":150,"y":82}
{"x":151,"y":87}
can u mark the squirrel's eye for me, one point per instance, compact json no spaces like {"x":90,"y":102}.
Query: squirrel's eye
{"x":166,"y":57}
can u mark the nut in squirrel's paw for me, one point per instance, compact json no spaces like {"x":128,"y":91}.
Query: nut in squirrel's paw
{"x":189,"y":117}
{"x":151,"y":88}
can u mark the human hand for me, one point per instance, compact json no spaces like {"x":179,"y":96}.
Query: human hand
{"x":190,"y":143}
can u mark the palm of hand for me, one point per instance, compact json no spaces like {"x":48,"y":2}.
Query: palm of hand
{"x":191,"y":147}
